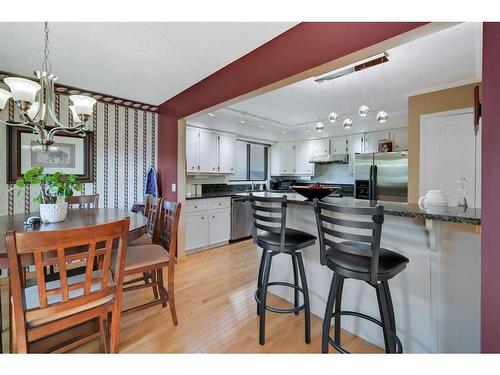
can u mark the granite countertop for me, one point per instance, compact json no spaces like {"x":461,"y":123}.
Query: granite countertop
{"x":447,"y":214}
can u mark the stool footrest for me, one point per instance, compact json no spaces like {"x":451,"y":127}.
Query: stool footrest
{"x":276,"y":309}
{"x":399,"y":346}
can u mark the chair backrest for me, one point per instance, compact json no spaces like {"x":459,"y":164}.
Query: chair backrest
{"x":94,"y":244}
{"x":167,"y":227}
{"x":83,"y":201}
{"x":269,"y":214}
{"x":333,"y":231}
{"x":151,"y":211}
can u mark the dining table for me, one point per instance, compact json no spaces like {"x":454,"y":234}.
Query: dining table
{"x":76,"y":218}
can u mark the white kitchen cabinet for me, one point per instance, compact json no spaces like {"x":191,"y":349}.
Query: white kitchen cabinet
{"x":209,"y":158}
{"x":227,"y":153}
{"x":339,"y":145}
{"x":287,"y":158}
{"x":196,"y":226}
{"x":321,"y":147}
{"x":399,"y":139}
{"x":192,"y":150}
{"x":218,"y":226}
{"x":275,"y":160}
{"x":372,"y":140}
{"x":207,"y":223}
{"x":303,"y":154}
{"x":356,"y":146}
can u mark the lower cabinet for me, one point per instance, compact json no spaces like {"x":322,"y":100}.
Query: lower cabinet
{"x":207,"y":223}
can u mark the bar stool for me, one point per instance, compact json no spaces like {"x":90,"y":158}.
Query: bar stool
{"x":270,"y":233}
{"x":359,"y":257}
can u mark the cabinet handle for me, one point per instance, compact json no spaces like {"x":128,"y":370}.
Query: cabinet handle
{"x":195,"y":206}
{"x":213,"y":216}
{"x":202,"y":218}
{"x":220,"y":204}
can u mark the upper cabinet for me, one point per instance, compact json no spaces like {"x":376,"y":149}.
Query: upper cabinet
{"x":287,"y":158}
{"x":372,"y":140}
{"x":227,"y":153}
{"x":340,"y":145}
{"x":209,"y":152}
{"x":400,"y":139}
{"x":303,"y":154}
{"x":321,"y":147}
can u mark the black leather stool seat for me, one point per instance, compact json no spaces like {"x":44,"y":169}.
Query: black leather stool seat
{"x":294,"y":239}
{"x":389,"y":262}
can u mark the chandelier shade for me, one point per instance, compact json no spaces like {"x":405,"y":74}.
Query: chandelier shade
{"x":83,"y":105}
{"x":4,"y":96}
{"x":23,"y":90}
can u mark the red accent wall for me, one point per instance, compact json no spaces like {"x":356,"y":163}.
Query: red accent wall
{"x":490,"y":200}
{"x":303,"y":47}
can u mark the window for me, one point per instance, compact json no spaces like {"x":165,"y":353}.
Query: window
{"x":251,"y":162}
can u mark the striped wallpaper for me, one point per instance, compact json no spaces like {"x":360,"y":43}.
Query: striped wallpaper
{"x":125,"y":145}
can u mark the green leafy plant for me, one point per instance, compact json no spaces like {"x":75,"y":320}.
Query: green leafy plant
{"x":52,"y":186}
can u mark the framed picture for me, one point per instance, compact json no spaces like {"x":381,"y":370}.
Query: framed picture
{"x":385,"y":145}
{"x":69,"y":154}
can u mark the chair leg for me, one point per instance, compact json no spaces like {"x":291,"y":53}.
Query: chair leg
{"x":262,"y":297}
{"x":384,"y":317}
{"x":338,"y":304}
{"x":259,"y":279}
{"x":295,"y":282}
{"x":151,"y":275}
{"x":103,"y":345}
{"x":327,"y":320}
{"x":114,"y":340}
{"x":163,"y":296}
{"x":390,"y":308}
{"x":307,"y":309}
{"x":170,"y":290}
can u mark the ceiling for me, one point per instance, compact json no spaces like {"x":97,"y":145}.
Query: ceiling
{"x":443,"y":59}
{"x":145,"y":62}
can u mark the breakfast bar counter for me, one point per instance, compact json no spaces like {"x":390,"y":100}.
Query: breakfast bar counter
{"x":436,"y":299}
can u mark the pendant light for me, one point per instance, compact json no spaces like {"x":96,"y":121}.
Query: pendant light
{"x":382,"y":115}
{"x":332,"y":117}
{"x":319,"y":123}
{"x":363,"y":109}
{"x":347,"y":123}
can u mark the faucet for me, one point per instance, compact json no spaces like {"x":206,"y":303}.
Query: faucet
{"x":253,"y":186}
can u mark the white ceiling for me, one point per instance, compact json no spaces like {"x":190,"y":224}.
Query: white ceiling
{"x":439,"y":60}
{"x":146,"y":62}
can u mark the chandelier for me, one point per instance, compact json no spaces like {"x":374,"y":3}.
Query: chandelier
{"x":36,"y":112}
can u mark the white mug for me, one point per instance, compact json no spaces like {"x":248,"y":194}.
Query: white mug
{"x":433,"y":198}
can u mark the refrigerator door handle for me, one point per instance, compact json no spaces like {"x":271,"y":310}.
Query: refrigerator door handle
{"x":373,"y":183}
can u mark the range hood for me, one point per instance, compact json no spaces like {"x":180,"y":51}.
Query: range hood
{"x":330,"y":159}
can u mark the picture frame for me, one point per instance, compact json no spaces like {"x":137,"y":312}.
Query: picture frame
{"x":69,"y":154}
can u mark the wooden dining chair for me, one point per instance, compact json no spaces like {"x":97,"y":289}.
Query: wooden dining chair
{"x":83,"y":201}
{"x":50,"y":307}
{"x":153,"y":258}
{"x":151,"y":211}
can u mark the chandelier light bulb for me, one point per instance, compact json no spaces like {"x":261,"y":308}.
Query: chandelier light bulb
{"x":332,"y":117}
{"x":347,"y":123}
{"x":382,"y":116}
{"x":319,"y":126}
{"x":363,"y":110}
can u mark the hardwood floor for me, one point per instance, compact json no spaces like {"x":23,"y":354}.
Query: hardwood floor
{"x":216,"y":311}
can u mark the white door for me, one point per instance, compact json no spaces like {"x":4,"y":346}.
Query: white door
{"x":448,"y":149}
{"x":227,"y":153}
{"x":218,"y":227}
{"x":287,"y":158}
{"x":339,"y":145}
{"x":303,"y":154}
{"x":321,"y":147}
{"x":192,"y":150}
{"x":400,"y":139}
{"x":196,"y":230}
{"x":372,"y":140}
{"x":209,"y":160}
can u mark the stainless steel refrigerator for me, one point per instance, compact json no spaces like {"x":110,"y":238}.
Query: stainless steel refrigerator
{"x":381,"y":176}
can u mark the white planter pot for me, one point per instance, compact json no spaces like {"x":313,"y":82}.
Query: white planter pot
{"x":54,"y":212}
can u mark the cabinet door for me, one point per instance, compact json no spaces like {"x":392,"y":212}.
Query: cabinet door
{"x":209,"y":151}
{"x":218,"y":226}
{"x":303,"y":154}
{"x":196,"y":230}
{"x":339,"y":145}
{"x":355,"y":146}
{"x":287,"y":158}
{"x":321,"y":147}
{"x":227,"y":153}
{"x":400,"y":139}
{"x":192,"y":150}
{"x":275,"y":160}
{"x":372,"y":140}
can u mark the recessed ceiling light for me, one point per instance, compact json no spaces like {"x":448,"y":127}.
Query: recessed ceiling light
{"x":283,"y":132}
{"x":242,"y":121}
{"x":211,"y":114}
{"x":261,"y":126}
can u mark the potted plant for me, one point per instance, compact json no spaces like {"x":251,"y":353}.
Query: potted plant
{"x":54,"y":188}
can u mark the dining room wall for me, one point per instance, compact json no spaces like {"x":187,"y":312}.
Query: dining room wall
{"x":125,"y":145}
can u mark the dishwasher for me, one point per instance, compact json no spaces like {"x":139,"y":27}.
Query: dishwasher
{"x":241,"y":218}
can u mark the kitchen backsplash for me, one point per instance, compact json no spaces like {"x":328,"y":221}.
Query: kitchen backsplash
{"x":333,"y":174}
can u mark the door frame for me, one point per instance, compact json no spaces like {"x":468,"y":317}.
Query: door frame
{"x":423,"y":119}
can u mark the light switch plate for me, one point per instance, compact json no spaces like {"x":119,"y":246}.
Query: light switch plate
{"x":174,"y":188}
